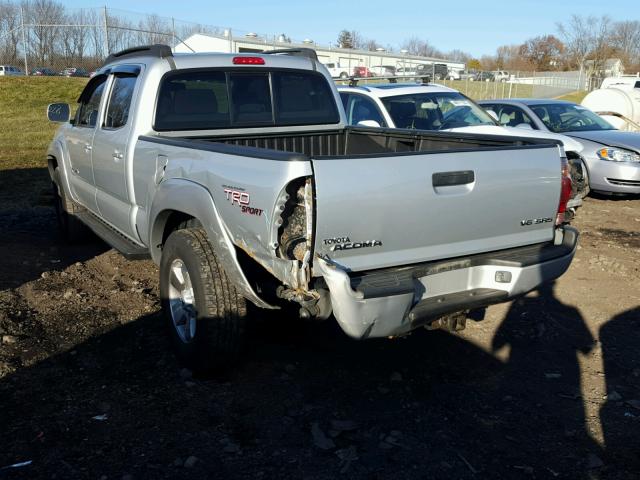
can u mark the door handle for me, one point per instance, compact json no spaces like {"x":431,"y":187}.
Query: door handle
{"x":87,"y":147}
{"x":75,"y":170}
{"x":450,"y":179}
{"x":118,"y":155}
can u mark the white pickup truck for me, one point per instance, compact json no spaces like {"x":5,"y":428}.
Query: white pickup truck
{"x":238,"y":176}
{"x":337,"y":71}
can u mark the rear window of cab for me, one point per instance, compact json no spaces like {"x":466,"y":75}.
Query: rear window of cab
{"x":243,"y":98}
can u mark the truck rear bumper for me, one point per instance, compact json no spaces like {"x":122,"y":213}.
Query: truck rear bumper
{"x":394,"y":301}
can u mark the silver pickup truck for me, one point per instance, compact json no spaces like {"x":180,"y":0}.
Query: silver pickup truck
{"x":237,"y":175}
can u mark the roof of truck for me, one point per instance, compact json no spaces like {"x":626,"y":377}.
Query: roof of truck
{"x":302,"y":58}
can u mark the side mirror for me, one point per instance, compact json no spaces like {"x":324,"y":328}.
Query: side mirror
{"x":58,"y":112}
{"x":493,"y":115}
{"x":526,"y":126}
{"x":368,"y":123}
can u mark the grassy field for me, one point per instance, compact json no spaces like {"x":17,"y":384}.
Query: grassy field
{"x":25,"y":131}
{"x":575,"y":97}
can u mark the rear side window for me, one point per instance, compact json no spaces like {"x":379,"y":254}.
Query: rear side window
{"x":120,"y":101}
{"x":302,"y":99}
{"x":214,"y":99}
{"x":192,"y":101}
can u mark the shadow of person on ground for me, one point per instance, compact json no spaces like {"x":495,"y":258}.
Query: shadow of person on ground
{"x":542,"y":378}
{"x":620,"y":415}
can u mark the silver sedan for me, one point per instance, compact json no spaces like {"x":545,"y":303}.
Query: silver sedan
{"x":611,"y":157}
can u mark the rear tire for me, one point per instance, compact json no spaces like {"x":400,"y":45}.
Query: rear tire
{"x":204,"y":312}
{"x":344,"y":75}
{"x":71,"y":228}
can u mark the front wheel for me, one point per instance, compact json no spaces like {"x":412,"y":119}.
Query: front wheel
{"x":204,"y":312}
{"x":71,"y":228}
{"x":344,"y":75}
{"x":585,"y":181}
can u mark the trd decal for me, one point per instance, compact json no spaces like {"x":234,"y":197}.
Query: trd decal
{"x":242,"y":199}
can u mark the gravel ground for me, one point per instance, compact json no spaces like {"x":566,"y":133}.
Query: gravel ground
{"x":545,"y":387}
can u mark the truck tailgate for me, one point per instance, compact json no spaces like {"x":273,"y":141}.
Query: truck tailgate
{"x":378,"y":211}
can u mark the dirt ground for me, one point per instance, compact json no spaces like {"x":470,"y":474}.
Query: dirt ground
{"x":545,"y":387}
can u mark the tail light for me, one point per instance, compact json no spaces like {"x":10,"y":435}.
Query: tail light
{"x":565,"y":192}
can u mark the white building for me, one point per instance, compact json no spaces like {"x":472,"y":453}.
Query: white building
{"x":346,"y":58}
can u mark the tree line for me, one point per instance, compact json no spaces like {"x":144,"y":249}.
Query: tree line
{"x":577,"y":41}
{"x":57,"y":35}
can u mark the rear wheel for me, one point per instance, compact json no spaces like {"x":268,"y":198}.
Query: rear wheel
{"x":204,"y":312}
{"x":344,"y":75}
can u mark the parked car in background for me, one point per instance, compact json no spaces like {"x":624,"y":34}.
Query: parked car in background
{"x":383,"y":71}
{"x":431,"y":72}
{"x":336,"y":70}
{"x":612,"y":157}
{"x":484,"y":77}
{"x":501,"y":75}
{"x":74,"y":72}
{"x":408,"y":71}
{"x":10,"y":71}
{"x":467,"y":75}
{"x":43,"y":72}
{"x":361,"y":72}
{"x":435,"y":107}
{"x":454,"y":75}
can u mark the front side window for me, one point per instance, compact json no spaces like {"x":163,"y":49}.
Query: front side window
{"x":120,"y":101}
{"x":568,"y":117}
{"x":435,"y":111}
{"x":90,"y":103}
{"x":213,"y":99}
{"x":510,"y":116}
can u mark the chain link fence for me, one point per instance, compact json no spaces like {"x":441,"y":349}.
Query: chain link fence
{"x":74,"y":42}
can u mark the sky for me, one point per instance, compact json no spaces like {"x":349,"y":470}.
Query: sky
{"x":476,"y":27}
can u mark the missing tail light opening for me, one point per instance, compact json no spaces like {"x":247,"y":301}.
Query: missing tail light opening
{"x":295,"y":233}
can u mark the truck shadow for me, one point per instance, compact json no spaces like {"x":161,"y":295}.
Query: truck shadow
{"x":307,"y":402}
{"x":29,"y":231}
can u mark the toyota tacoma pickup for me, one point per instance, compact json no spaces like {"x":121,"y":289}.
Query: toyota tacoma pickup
{"x":238,"y":175}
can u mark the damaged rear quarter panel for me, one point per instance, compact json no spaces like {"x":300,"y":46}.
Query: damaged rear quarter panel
{"x":247,"y":192}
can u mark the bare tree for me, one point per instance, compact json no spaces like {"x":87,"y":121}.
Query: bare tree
{"x":9,"y":31}
{"x":626,"y":41}
{"x":458,"y":56}
{"x":423,"y":48}
{"x":586,"y":38}
{"x":41,"y":14}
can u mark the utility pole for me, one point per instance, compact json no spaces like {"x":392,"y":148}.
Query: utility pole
{"x":106,"y":33}
{"x":24,"y":41}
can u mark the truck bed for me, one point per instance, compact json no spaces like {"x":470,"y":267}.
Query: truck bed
{"x":356,"y":141}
